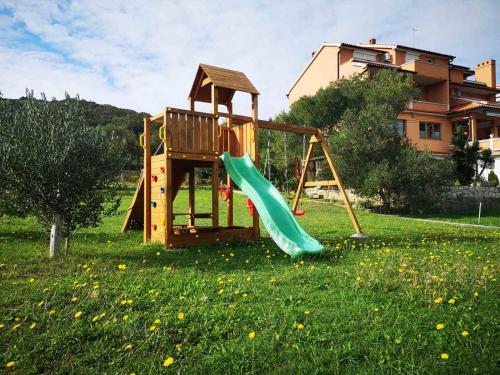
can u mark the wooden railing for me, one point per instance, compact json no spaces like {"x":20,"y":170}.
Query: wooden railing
{"x":492,"y":143}
{"x":191,"y":132}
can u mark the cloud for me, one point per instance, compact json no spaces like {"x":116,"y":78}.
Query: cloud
{"x":143,"y":55}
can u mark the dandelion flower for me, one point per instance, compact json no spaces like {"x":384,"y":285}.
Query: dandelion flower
{"x":180,"y":316}
{"x":122,"y":267}
{"x":2,"y":325}
{"x":300,"y":326}
{"x":376,"y":309}
{"x":52,"y":312}
{"x":451,"y":301}
{"x":445,"y":356}
{"x":168,"y":361}
{"x":251,"y":335}
{"x":125,"y":317}
{"x":10,"y":364}
{"x":152,"y":328}
{"x":307,"y":312}
{"x":438,"y":300}
{"x":74,"y":299}
{"x":439,"y":326}
{"x":178,"y":346}
{"x":248,"y":279}
{"x":129,"y":302}
{"x":476,"y":294}
{"x":33,"y":325}
{"x":15,"y":327}
{"x":465,"y":333}
{"x":128,"y":346}
{"x":220,"y":291}
{"x":39,"y":304}
{"x":158,"y":253}
{"x":78,"y":314}
{"x":157,"y":321}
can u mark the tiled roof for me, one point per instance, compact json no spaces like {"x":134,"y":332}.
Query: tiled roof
{"x":473,"y":106}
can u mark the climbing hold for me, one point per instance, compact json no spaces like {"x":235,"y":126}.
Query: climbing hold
{"x":153,"y":204}
{"x":162,"y":189}
{"x":250,"y":207}
{"x":154,"y":178}
{"x":162,"y":169}
{"x":155,"y":227}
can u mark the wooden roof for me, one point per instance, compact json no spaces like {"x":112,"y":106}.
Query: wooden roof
{"x":228,"y":81}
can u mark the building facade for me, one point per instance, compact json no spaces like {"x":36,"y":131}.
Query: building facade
{"x":450,"y":94}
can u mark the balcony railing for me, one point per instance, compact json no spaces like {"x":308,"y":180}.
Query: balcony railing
{"x":427,"y":69}
{"x":425,"y":106}
{"x":492,"y":143}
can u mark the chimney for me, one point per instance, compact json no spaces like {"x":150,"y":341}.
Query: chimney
{"x":372,"y":41}
{"x":486,"y":73}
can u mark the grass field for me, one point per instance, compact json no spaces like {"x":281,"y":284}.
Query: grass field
{"x":489,"y":217}
{"x":413,"y":298}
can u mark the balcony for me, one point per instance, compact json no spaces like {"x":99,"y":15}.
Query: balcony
{"x":425,"y":106}
{"x":430,"y":73}
{"x":492,"y":143}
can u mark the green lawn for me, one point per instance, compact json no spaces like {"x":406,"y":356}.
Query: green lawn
{"x":368,"y":306}
{"x":489,"y":217}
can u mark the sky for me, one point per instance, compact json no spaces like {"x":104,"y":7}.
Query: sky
{"x":143,"y":55}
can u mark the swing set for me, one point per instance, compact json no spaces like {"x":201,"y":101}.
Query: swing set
{"x":192,"y":139}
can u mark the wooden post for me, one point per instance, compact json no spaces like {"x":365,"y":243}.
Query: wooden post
{"x":191,"y":197}
{"x":298,"y":193}
{"x":473,"y":128}
{"x":147,"y":180}
{"x":215,"y":194}
{"x":230,"y":185}
{"x":255,"y":150}
{"x":215,"y":100}
{"x":169,"y":207}
{"x":191,"y":104}
{"x":340,"y":185}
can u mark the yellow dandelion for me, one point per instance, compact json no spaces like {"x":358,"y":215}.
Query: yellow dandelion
{"x":78,"y":314}
{"x":125,"y":317}
{"x":128,"y":346}
{"x":122,"y":267}
{"x":307,"y":312}
{"x":124,"y":302}
{"x":251,"y":335}
{"x":438,"y":300}
{"x":74,"y":299}
{"x":152,"y":328}
{"x":15,"y":327}
{"x":245,"y":295}
{"x":465,"y":333}
{"x":157,"y":321}
{"x":1,"y":325}
{"x":168,"y":361}
{"x":300,"y":326}
{"x":452,"y":301}
{"x":476,"y":294}
{"x":376,"y":309}
{"x":248,"y":279}
{"x":10,"y":364}
{"x":220,"y":291}
{"x":445,"y":356}
{"x":39,"y":304}
{"x":129,"y":302}
{"x":33,"y":325}
{"x":180,"y":316}
{"x":158,"y":253}
{"x":178,"y":346}
{"x":439,"y":326}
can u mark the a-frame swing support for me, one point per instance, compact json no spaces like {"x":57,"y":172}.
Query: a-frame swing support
{"x":319,"y":139}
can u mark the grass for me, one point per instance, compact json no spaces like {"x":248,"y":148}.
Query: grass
{"x":367,"y":306}
{"x":490,"y":217}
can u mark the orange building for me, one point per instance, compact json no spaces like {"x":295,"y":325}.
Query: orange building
{"x":448,"y":95}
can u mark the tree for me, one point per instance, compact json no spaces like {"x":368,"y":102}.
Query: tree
{"x":374,"y":160}
{"x":54,"y":166}
{"x":470,"y":160}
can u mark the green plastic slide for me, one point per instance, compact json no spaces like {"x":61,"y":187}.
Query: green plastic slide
{"x":272,"y":207}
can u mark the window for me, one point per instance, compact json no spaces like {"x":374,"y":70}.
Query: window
{"x":410,"y":56}
{"x":429,"y":130}
{"x":401,"y":128}
{"x":364,"y":55}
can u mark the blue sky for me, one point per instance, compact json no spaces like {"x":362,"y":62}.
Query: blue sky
{"x":143,"y":55}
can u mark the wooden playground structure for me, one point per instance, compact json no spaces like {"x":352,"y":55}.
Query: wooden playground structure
{"x":191,"y":140}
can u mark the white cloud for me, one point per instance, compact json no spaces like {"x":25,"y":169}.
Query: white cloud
{"x":143,"y":55}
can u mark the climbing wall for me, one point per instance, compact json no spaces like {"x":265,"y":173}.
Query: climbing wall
{"x":158,"y":200}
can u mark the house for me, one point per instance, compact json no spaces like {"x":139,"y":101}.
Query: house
{"x":450,"y":94}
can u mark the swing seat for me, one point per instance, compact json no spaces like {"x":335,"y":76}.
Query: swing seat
{"x":299,"y":213}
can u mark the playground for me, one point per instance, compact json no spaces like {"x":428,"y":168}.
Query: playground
{"x":358,"y":307}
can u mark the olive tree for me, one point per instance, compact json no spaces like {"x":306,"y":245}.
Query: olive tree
{"x":55,"y":167}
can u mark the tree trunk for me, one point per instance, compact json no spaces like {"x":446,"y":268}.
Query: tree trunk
{"x":66,"y":246}
{"x":55,"y":237}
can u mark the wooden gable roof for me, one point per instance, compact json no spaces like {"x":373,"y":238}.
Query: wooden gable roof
{"x":228,"y":81}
